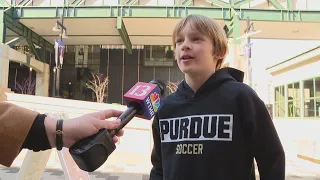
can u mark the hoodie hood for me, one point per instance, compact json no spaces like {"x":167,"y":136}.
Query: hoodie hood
{"x":217,"y":79}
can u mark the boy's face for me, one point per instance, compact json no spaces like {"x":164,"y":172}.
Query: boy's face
{"x":194,"y":51}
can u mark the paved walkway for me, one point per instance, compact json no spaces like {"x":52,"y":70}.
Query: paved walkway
{"x":57,"y":174}
{"x":296,"y":169}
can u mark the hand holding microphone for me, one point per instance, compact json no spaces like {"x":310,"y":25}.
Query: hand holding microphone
{"x":143,"y":99}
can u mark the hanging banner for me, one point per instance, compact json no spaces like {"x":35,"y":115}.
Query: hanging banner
{"x":59,"y":47}
{"x":81,"y":56}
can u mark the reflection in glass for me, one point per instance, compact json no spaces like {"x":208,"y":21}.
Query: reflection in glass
{"x":279,"y":109}
{"x":318,"y":107}
{"x":309,"y":108}
{"x":279,"y":105}
{"x":290,"y":91}
{"x":279,"y":94}
{"x":317,"y":86}
{"x":296,"y":90}
{"x":308,"y":88}
{"x":317,"y":95}
{"x":294,"y":108}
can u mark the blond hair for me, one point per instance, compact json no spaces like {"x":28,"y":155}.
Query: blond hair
{"x":208,"y":27}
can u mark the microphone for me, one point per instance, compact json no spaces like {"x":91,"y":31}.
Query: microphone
{"x":143,"y":100}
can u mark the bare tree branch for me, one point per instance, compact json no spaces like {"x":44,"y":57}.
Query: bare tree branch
{"x":173,"y":86}
{"x":99,"y":85}
{"x":27,"y":86}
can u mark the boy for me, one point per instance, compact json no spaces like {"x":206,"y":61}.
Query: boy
{"x":213,"y":126}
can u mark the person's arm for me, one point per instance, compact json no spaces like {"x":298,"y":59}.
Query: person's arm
{"x":38,"y":136}
{"x":21,"y":128}
{"x":42,"y":135}
{"x":156,"y":158}
{"x":265,"y":142}
{"x":15,"y":123}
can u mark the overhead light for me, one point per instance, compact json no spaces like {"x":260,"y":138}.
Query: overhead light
{"x":56,"y":28}
{"x":251,"y":33}
{"x":64,"y":34}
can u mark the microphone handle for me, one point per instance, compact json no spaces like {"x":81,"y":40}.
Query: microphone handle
{"x":91,"y":152}
{"x":125,"y":117}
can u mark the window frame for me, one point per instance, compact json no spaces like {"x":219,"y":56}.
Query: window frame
{"x":279,"y":101}
{"x":295,"y":98}
{"x":314,"y":98}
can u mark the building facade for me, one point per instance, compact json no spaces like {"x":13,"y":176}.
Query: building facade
{"x":122,"y":69}
{"x":130,"y":41}
{"x":296,"y":104}
{"x":296,"y":83}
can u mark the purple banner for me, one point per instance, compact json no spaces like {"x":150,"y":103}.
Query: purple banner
{"x":59,"y":47}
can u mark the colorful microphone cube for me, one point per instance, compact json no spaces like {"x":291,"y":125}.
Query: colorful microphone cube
{"x":147,"y":95}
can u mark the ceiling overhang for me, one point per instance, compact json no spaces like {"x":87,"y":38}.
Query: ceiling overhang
{"x":153,"y":25}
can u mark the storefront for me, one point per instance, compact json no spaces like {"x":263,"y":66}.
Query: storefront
{"x":296,"y":107}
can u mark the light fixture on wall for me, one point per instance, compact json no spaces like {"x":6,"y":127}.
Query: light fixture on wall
{"x":59,"y":27}
{"x":249,"y":31}
{"x":64,"y":34}
{"x":56,"y":28}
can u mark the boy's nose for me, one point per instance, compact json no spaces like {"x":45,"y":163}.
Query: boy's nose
{"x":185,"y":46}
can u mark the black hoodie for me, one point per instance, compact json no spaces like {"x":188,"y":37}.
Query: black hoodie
{"x":215,"y":133}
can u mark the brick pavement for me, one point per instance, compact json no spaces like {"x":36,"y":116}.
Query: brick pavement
{"x":296,"y":169}
{"x":57,"y":174}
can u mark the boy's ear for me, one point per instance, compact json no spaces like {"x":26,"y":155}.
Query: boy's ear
{"x":221,"y":55}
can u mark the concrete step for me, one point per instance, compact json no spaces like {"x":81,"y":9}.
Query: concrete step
{"x":3,"y":91}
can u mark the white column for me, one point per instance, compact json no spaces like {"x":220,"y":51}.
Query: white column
{"x":4,"y":67}
{"x":42,"y":81}
{"x":235,"y":57}
{"x":33,"y":165}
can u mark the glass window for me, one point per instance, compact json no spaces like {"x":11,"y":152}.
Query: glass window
{"x":279,"y":105}
{"x":311,"y":96}
{"x":276,"y":94}
{"x":294,"y":100}
{"x":317,"y":87}
{"x":317,"y":95}
{"x":70,"y":48}
{"x":290,"y":91}
{"x":309,"y":108}
{"x":317,"y":107}
{"x":158,"y":52}
{"x":282,"y":93}
{"x":147,"y":52}
{"x":294,"y":108}
{"x":279,"y":110}
{"x":158,"y":55}
{"x":279,"y":94}
{"x":296,"y":90}
{"x":308,"y":91}
{"x":293,"y":91}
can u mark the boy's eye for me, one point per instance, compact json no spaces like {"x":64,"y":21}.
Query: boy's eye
{"x":196,"y":39}
{"x":179,"y":40}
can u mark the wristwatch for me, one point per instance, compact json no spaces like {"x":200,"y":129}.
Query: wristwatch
{"x":59,"y":134}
